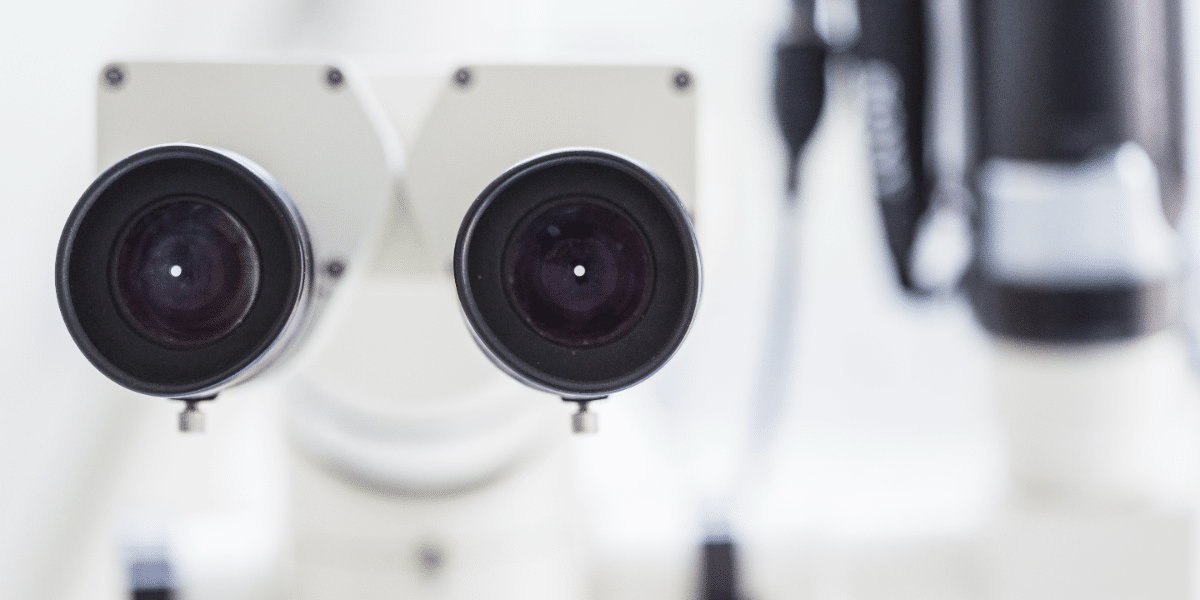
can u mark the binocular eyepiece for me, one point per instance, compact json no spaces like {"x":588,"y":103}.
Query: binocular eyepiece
{"x":578,"y":272}
{"x":184,"y":269}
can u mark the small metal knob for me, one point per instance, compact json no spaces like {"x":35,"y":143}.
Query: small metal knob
{"x":191,"y":420}
{"x":583,"y":421}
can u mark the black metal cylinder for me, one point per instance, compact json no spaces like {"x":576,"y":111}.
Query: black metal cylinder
{"x":1061,"y":80}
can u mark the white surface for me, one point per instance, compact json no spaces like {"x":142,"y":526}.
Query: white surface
{"x":400,"y":399}
{"x":1102,"y":445}
{"x":510,"y":113}
{"x":1099,"y":426}
{"x":1131,"y":555}
{"x":330,"y":149}
{"x":1090,"y":223}
{"x":517,"y":539}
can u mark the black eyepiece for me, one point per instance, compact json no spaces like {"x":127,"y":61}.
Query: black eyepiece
{"x":579,"y":272}
{"x":182,"y":270}
{"x":185,"y":272}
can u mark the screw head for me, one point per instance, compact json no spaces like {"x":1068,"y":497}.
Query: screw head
{"x":430,"y":559}
{"x":584,"y":422}
{"x":462,"y":77}
{"x":682,"y":80}
{"x":335,"y":268}
{"x":191,"y":420}
{"x":113,"y":76}
{"x":334,"y":78}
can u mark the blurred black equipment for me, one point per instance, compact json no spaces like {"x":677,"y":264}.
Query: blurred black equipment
{"x":894,"y":53}
{"x":1059,"y":87}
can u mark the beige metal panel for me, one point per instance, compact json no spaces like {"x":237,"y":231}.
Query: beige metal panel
{"x":327,"y":145}
{"x":505,"y":114}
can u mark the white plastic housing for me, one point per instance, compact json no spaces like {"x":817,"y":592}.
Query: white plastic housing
{"x":416,"y":407}
{"x":322,"y":142}
{"x":505,"y":114}
{"x":1087,"y":223}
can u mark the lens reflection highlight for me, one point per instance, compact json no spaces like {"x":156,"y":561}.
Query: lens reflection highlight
{"x":186,"y":272}
{"x":579,"y":271}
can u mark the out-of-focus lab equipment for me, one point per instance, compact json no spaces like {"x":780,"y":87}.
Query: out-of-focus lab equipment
{"x":1069,"y":166}
{"x":1078,"y":274}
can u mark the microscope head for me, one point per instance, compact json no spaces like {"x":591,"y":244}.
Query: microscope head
{"x":234,"y":198}
{"x":559,"y":198}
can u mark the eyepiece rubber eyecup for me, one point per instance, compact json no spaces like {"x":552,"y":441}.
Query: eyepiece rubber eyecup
{"x":245,"y":201}
{"x":519,"y":302}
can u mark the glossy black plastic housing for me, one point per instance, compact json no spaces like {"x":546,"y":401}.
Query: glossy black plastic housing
{"x":894,"y":42}
{"x":1058,"y":314}
{"x":86,"y":283}
{"x":579,"y":370}
{"x":1061,"y":80}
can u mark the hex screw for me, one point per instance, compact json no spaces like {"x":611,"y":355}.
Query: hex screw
{"x":334,"y":78}
{"x":113,"y":76}
{"x":335,"y":268}
{"x":682,"y":80}
{"x":462,"y":77}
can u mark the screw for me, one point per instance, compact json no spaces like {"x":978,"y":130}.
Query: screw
{"x":191,"y":420}
{"x":462,"y":77}
{"x":113,"y":76}
{"x":682,"y":80}
{"x":584,"y":421}
{"x":430,"y":559}
{"x":334,"y":78}
{"x":335,"y":268}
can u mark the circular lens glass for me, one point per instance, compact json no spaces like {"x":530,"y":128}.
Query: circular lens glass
{"x":185,"y":272}
{"x":579,"y":271}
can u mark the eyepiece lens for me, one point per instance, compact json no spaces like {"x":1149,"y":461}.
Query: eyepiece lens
{"x":185,"y":272}
{"x":579,"y":271}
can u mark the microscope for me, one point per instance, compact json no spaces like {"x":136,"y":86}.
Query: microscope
{"x":1070,"y":182}
{"x":419,"y":260}
{"x":1079,"y":179}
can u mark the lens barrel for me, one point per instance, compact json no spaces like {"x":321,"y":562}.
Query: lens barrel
{"x":578,"y":272}
{"x":182,"y":270}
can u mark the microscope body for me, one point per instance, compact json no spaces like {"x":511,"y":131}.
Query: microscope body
{"x":312,"y":126}
{"x":416,"y":467}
